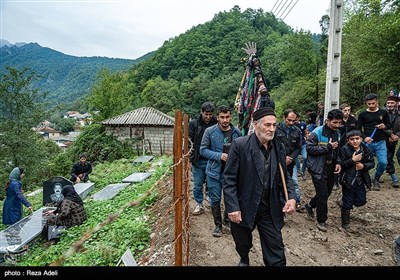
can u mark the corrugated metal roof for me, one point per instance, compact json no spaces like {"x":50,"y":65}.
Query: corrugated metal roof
{"x":142,"y":116}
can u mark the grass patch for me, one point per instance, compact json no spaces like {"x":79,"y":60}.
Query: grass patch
{"x":130,"y":230}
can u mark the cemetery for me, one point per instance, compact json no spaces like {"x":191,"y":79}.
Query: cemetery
{"x":19,"y":236}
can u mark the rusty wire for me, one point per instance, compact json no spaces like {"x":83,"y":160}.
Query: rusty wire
{"x":78,"y":245}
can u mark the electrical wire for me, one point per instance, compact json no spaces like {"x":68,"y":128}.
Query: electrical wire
{"x":290,"y":10}
{"x":285,"y":9}
{"x":274,"y":6}
{"x":277,"y":7}
{"x":284,"y":4}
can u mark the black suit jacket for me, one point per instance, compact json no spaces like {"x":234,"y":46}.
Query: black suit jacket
{"x":244,"y":180}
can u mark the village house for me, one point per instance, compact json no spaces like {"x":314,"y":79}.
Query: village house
{"x":149,"y":129}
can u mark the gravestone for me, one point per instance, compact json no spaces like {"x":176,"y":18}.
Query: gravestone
{"x":128,"y":259}
{"x":13,"y":238}
{"x":142,"y":159}
{"x":109,"y":191}
{"x":136,"y":177}
{"x":17,"y":235}
{"x":51,"y":188}
{"x":83,"y":189}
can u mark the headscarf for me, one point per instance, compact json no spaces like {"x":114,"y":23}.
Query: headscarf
{"x":15,"y":174}
{"x":70,"y":193}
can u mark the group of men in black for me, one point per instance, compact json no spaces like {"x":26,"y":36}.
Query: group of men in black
{"x":342,"y":150}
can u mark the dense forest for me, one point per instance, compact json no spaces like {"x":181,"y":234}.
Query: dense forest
{"x":206,"y":62}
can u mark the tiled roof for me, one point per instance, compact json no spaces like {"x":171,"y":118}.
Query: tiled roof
{"x":143,"y":116}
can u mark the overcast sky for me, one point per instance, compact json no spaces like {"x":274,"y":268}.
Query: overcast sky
{"x":130,"y":29}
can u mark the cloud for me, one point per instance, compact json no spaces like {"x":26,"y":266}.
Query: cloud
{"x":124,"y":29}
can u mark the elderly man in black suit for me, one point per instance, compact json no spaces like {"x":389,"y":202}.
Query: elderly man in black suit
{"x":258,"y":190}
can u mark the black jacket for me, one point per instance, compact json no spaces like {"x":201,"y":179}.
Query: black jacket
{"x":243,"y":182}
{"x":78,"y":169}
{"x":319,"y":151}
{"x":292,"y":141}
{"x":349,"y":171}
{"x":196,"y":131}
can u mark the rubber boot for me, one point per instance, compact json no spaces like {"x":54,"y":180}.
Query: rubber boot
{"x":346,"y":219}
{"x":216,"y":211}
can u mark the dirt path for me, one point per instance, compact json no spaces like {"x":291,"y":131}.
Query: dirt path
{"x":377,"y":224}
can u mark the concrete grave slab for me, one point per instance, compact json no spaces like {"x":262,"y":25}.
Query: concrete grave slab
{"x":136,"y":177}
{"x":142,"y":159}
{"x":83,"y":189}
{"x":22,"y":232}
{"x":109,"y":191}
{"x":128,"y":259}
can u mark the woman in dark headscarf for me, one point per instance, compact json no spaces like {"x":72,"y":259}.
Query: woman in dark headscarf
{"x":12,"y":207}
{"x":70,"y":210}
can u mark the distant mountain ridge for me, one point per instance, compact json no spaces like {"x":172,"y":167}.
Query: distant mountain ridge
{"x":66,"y":78}
{"x":8,"y":44}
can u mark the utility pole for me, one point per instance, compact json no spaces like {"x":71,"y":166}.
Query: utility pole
{"x":332,"y":88}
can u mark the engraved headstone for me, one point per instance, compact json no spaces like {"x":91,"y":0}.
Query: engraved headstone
{"x":109,"y":191}
{"x":52,"y":190}
{"x":136,"y":177}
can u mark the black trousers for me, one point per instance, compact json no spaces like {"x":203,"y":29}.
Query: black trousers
{"x":323,"y":189}
{"x":354,"y":195}
{"x":84,"y":179}
{"x":271,"y":239}
{"x":391,"y":150}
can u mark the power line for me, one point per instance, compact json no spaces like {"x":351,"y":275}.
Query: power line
{"x":277,"y":7}
{"x":285,"y":8}
{"x":281,"y":8}
{"x":274,"y":5}
{"x":290,"y":10}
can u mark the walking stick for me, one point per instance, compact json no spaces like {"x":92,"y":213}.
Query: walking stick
{"x":283,"y":182}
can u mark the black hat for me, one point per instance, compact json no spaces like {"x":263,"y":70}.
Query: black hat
{"x":392,"y":98}
{"x":262,"y":112}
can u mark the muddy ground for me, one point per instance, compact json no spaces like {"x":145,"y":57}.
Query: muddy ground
{"x":376,"y":225}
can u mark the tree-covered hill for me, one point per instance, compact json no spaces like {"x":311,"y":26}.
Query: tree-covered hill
{"x":205,"y":63}
{"x":64,"y":77}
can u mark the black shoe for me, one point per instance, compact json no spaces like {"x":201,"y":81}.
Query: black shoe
{"x":346,"y":227}
{"x":243,"y":263}
{"x":322,"y":227}
{"x":376,"y":186}
{"x":310,"y":212}
{"x":217,"y":232}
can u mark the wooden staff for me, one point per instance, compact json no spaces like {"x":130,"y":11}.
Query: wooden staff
{"x":283,"y":182}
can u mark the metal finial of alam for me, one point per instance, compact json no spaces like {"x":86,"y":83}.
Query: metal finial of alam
{"x":251,"y":48}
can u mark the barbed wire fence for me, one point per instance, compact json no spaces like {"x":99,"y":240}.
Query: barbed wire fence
{"x":180,"y":203}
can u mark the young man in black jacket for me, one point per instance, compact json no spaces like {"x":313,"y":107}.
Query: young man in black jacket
{"x":322,"y":156}
{"x":199,"y":163}
{"x":81,"y":170}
